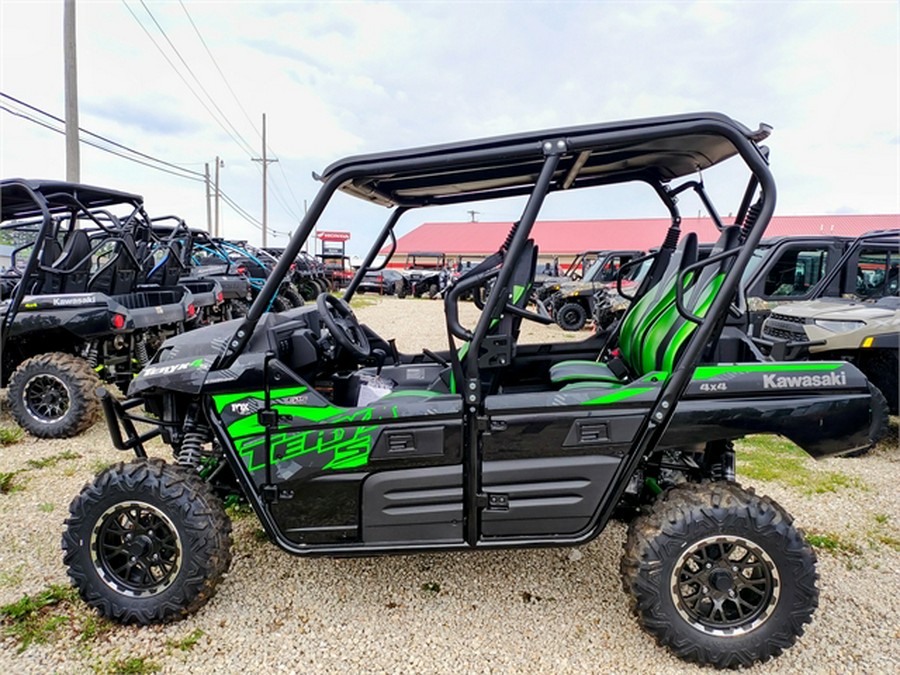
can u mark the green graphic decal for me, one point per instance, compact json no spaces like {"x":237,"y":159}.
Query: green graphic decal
{"x":707,"y":372}
{"x":348,"y":446}
{"x":618,"y":395}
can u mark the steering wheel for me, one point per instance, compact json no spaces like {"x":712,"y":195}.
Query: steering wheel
{"x":343,"y":325}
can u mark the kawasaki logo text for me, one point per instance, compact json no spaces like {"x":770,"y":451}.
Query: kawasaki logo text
{"x":797,"y":381}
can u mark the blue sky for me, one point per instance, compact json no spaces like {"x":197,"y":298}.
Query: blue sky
{"x":346,"y":78}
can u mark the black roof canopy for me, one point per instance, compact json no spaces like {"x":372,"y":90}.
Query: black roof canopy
{"x":657,"y":149}
{"x":18,"y":200}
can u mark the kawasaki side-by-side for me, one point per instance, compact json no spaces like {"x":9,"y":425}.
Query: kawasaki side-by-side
{"x":343,"y":446}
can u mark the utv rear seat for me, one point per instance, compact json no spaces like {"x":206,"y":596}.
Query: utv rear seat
{"x":654,"y":333}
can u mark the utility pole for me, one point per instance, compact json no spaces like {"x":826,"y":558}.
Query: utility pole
{"x":208,"y":208}
{"x":219,"y":163}
{"x":472,"y":215}
{"x":73,"y":156}
{"x":265,"y":165}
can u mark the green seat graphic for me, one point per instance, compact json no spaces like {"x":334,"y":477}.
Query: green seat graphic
{"x":653,"y":333}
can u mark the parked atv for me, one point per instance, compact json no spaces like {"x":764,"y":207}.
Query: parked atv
{"x":307,"y":273}
{"x":862,"y":326}
{"x":76,"y":314}
{"x":251,"y":267}
{"x":571,"y":303}
{"x":343,"y":445}
{"x":220,"y":292}
{"x":425,"y":273}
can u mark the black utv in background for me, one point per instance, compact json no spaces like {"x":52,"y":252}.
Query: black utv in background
{"x":83,"y":305}
{"x":343,"y":445}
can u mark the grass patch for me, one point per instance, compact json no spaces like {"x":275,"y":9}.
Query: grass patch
{"x":10,"y":435}
{"x":93,"y":627}
{"x":777,"y":460}
{"x":135,"y":665}
{"x":431,"y":587}
{"x":46,"y":507}
{"x":238,"y":510}
{"x":33,"y":620}
{"x":832,"y":543}
{"x":99,"y":465}
{"x":361,"y":301}
{"x":188,"y":642}
{"x":52,"y":460}
{"x":8,"y":482}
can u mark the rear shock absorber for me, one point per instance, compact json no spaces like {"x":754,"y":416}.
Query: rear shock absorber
{"x":91,"y":354}
{"x":140,"y":351}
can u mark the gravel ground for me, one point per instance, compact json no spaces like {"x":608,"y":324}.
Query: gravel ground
{"x":542,"y":610}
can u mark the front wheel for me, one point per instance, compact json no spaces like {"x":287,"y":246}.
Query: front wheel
{"x":571,"y":316}
{"x":52,"y":395}
{"x":146,"y":542}
{"x":719,"y":575}
{"x":291,"y":297}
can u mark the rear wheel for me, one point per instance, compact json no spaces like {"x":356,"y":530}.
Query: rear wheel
{"x":146,"y":542}
{"x":239,"y":308}
{"x":719,"y":575}
{"x":882,"y":369}
{"x":52,"y":395}
{"x":571,"y":316}
{"x":400,"y":289}
{"x":279,"y":304}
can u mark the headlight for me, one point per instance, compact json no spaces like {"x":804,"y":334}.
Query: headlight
{"x":839,"y":326}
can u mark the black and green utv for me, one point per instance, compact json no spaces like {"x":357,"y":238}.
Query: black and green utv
{"x":344,"y":446}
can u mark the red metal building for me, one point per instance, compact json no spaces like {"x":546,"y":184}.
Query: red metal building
{"x":565,"y":238}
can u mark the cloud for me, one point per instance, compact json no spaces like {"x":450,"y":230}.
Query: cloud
{"x":154,"y":116}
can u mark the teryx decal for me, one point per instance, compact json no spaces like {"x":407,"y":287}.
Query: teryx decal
{"x":349,"y":447}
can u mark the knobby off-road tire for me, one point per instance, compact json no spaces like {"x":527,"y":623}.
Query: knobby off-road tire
{"x":239,"y":308}
{"x":571,"y":316}
{"x":146,"y":542}
{"x":400,"y":289}
{"x":292,"y":297}
{"x":880,"y":424}
{"x":279,"y":304}
{"x":52,"y":395}
{"x":882,"y":370}
{"x":719,"y":575}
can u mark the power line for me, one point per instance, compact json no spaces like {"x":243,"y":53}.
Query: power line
{"x":247,"y":146}
{"x":235,"y":136}
{"x":183,"y":79}
{"x":102,"y":138}
{"x":97,"y":145}
{"x":237,"y":100}
{"x":186,"y":174}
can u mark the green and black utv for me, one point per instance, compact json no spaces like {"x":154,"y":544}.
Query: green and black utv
{"x":344,"y":446}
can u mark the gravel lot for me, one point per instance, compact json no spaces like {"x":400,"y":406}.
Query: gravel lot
{"x":547,"y":610}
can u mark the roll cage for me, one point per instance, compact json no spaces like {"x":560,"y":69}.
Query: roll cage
{"x":655,"y":151}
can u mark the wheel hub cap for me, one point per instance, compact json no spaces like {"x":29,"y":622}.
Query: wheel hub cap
{"x":725,"y":585}
{"x":46,"y":398}
{"x":136,"y":549}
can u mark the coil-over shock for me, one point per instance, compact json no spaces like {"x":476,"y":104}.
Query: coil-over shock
{"x":196,"y":433}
